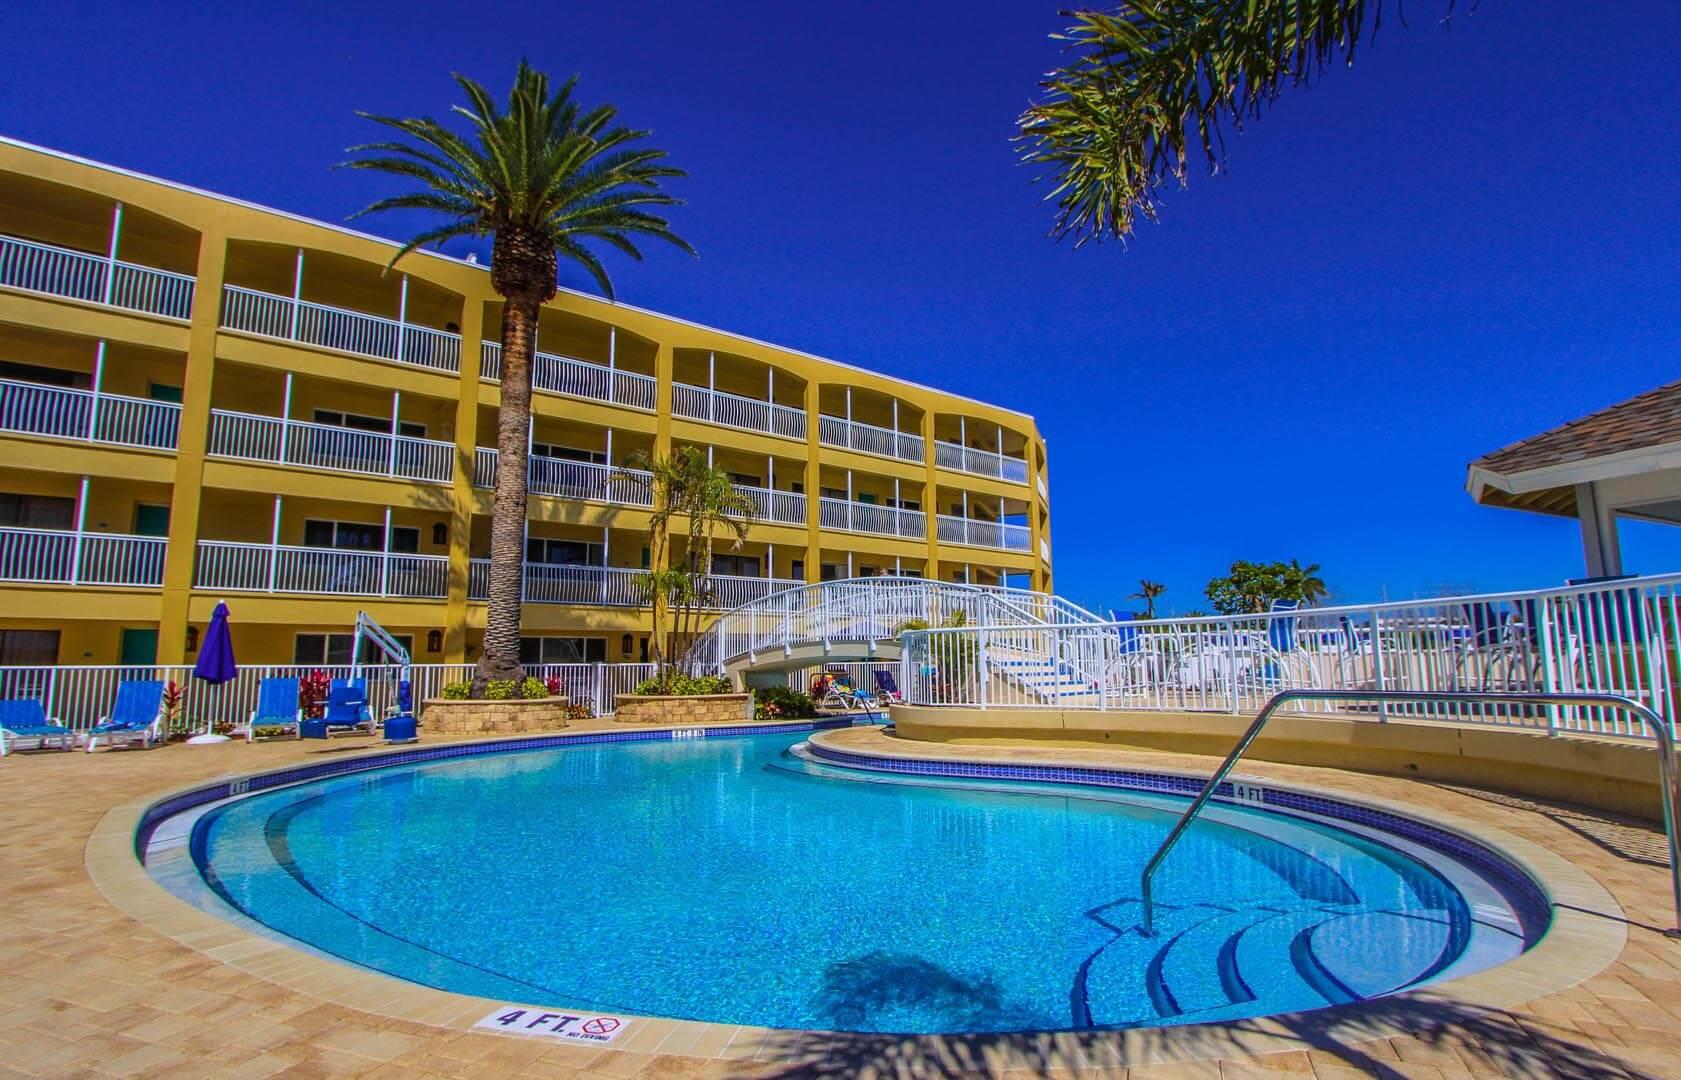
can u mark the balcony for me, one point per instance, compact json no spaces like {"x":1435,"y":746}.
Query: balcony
{"x":84,"y":416}
{"x":869,"y":439}
{"x":606,"y":586}
{"x":782,"y":507}
{"x":231,"y":567}
{"x":848,"y":516}
{"x":980,"y":462}
{"x":72,"y":558}
{"x":246,"y":437}
{"x":281,"y":317}
{"x":733,"y":410}
{"x":570,"y":479}
{"x":576,"y":378}
{"x":974,"y":532}
{"x":56,"y":271}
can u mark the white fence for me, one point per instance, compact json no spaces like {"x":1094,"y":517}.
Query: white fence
{"x":733,"y":410}
{"x":64,"y":413}
{"x":974,"y":532}
{"x":606,"y":586}
{"x":570,"y":479}
{"x":850,"y":516}
{"x":868,"y":439}
{"x":787,"y":507}
{"x":979,"y":462}
{"x":1618,"y":637}
{"x":248,"y":437}
{"x":72,"y":558}
{"x":78,"y":275}
{"x":79,"y":697}
{"x":339,"y":329}
{"x":233,"y":567}
{"x":575,"y":378}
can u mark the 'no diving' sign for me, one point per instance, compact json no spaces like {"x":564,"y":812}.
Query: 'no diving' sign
{"x":547,"y":1023}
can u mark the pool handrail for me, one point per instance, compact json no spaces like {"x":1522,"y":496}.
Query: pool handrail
{"x":1666,"y":763}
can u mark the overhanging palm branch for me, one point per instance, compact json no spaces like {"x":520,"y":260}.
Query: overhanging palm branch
{"x":1114,"y":124}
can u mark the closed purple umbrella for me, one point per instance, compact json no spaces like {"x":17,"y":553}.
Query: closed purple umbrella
{"x":215,"y":660}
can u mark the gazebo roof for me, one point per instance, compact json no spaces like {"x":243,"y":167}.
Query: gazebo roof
{"x":1541,"y":472}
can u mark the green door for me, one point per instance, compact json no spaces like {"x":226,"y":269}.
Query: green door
{"x":151,"y":520}
{"x":140,"y":645}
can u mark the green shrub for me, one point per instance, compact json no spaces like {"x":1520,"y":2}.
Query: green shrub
{"x":458,"y":691}
{"x":533,"y":687}
{"x":781,"y":703}
{"x":270,"y":732}
{"x":687,"y":686}
{"x":499,"y":689}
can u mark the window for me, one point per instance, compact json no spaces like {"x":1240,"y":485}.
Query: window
{"x":866,"y":498}
{"x":562,"y":552}
{"x":830,"y":572}
{"x":359,"y":536}
{"x":29,"y":648}
{"x":870,"y":571}
{"x":744,"y":479}
{"x":163,"y":392}
{"x":832,"y":493}
{"x":379,"y":425}
{"x":797,"y":487}
{"x":46,"y":376}
{"x":568,"y":453}
{"x":905,"y":504}
{"x":333,"y":650}
{"x":37,"y":511}
{"x":736,"y":565}
{"x":562,"y":650}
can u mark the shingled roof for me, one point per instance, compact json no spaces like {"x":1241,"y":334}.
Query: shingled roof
{"x":1644,"y":421}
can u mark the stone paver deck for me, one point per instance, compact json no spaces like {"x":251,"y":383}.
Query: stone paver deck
{"x":85,"y":990}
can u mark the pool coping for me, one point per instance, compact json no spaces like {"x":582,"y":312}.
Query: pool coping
{"x":1586,"y":936}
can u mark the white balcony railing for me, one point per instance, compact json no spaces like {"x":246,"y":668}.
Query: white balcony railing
{"x":733,"y":410}
{"x":570,"y":479}
{"x":980,"y":462}
{"x":606,"y":586}
{"x":232,"y":567}
{"x":247,"y":437}
{"x":575,"y":378}
{"x":71,"y":558}
{"x":784,"y":507}
{"x":868,"y":439}
{"x":1044,"y":492}
{"x":339,"y":329}
{"x":988,"y":534}
{"x":63,"y":413}
{"x":729,"y":591}
{"x":849,"y":516}
{"x":56,"y":271}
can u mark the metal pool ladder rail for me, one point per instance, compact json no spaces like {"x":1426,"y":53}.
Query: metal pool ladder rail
{"x":1666,"y":762}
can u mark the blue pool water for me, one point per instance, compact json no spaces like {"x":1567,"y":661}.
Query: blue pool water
{"x":729,"y":880}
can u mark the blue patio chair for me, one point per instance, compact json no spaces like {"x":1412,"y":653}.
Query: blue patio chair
{"x":25,"y":721}
{"x":887,"y":688}
{"x":277,"y":707}
{"x":347,"y":707}
{"x":135,"y":718}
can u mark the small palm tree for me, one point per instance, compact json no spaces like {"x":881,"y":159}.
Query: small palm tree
{"x":666,"y":481}
{"x":1147,"y":592}
{"x":1305,"y":582}
{"x":713,"y":504}
{"x":541,"y":179}
{"x":1113,"y":125}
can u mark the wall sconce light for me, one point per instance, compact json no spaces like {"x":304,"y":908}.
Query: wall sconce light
{"x":192,"y":639}
{"x":434,"y":641}
{"x":440,"y":534}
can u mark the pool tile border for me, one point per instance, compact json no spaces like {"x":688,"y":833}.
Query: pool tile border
{"x":1586,"y":937}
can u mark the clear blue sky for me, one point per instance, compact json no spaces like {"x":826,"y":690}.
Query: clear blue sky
{"x":1469,"y":237}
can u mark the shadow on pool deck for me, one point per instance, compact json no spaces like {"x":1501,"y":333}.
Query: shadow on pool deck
{"x":1349,"y":1041}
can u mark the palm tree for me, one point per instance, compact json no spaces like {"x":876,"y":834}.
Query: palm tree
{"x":1111,"y":128}
{"x":1305,"y":582}
{"x":541,"y":179}
{"x":714,"y":503}
{"x":667,"y":483}
{"x":1147,"y":592}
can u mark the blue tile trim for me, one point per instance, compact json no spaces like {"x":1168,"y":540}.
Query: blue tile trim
{"x":1532,"y":899}
{"x":245,"y":785}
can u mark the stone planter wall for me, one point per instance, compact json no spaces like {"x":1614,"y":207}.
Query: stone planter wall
{"x":677,"y":710}
{"x":443,"y":716}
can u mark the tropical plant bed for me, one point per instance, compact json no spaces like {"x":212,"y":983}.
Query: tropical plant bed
{"x":682,"y":708}
{"x":489,"y":716}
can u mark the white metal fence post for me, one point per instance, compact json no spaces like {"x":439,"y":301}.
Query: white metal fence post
{"x":1379,"y":678}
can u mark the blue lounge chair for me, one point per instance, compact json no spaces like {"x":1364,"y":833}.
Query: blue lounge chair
{"x":277,"y":707}
{"x":25,"y":721}
{"x":886,"y":688}
{"x":136,"y":717}
{"x":347,"y":707}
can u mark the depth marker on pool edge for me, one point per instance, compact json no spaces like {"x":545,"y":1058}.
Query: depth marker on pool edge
{"x":554,"y":1024}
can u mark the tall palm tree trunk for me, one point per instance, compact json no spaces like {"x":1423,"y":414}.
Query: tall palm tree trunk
{"x":507,"y":519}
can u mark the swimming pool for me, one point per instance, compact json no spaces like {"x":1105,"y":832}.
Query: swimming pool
{"x":737,"y":880}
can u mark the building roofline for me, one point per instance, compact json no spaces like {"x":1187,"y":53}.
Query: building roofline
{"x":384,"y":241}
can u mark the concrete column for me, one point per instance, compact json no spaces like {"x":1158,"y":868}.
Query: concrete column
{"x":188,"y":491}
{"x":813,"y":487}
{"x":930,"y":496}
{"x":1602,"y":551}
{"x":1037,"y":514}
{"x":463,"y":500}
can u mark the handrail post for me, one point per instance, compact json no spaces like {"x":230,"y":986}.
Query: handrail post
{"x":1380,"y":681}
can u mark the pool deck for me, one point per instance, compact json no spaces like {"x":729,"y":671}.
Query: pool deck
{"x":87,"y":990}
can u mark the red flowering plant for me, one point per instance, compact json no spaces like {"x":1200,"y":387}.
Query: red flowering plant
{"x":312,"y":693}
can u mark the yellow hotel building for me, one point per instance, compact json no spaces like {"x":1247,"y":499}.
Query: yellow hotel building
{"x":203,"y":399}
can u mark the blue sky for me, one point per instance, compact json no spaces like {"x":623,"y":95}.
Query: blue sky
{"x":1470,"y":236}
